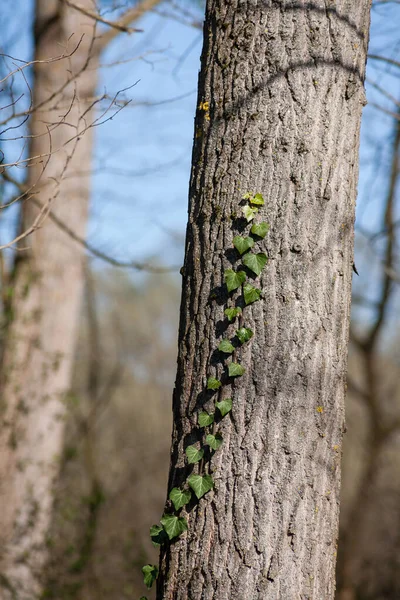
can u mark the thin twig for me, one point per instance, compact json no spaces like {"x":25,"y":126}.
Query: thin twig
{"x":115,"y":24}
{"x":390,"y":245}
{"x":390,"y":61}
{"x":46,"y":61}
{"x":130,"y":16}
{"x":94,"y":251}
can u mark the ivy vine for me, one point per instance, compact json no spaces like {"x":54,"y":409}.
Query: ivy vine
{"x":172,"y":525}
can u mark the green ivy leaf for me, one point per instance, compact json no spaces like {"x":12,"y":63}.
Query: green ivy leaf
{"x":213,"y":384}
{"x":224,"y":406}
{"x":200,"y":484}
{"x":150,"y":574}
{"x":257,"y":200}
{"x":249,"y":213}
{"x":173,"y":525}
{"x":180,"y":497}
{"x":243,"y":244}
{"x":205,"y":419}
{"x":226,"y":347}
{"x":235,"y":370}
{"x":232,"y":313}
{"x":214,"y":441}
{"x":260,"y":229}
{"x":244,"y":334}
{"x":157,"y":535}
{"x":234,"y":280}
{"x":193,"y":454}
{"x":251,"y":294}
{"x":255,"y":262}
{"x":247,"y":196}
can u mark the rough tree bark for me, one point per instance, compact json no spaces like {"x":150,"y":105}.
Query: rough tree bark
{"x":284,"y":83}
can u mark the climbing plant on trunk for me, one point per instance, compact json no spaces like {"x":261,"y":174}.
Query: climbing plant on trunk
{"x":278,"y":117}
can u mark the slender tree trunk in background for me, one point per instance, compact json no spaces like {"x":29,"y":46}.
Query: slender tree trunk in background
{"x":354,"y":556}
{"x":47,"y":287}
{"x":48,"y":283}
{"x":284,"y":83}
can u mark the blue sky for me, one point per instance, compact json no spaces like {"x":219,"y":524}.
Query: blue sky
{"x":138,"y":221}
{"x":134,"y":213}
{"x":139,"y":208}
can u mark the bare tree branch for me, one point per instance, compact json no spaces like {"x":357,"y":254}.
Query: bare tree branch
{"x":390,"y":61}
{"x":392,"y":274}
{"x":383,"y":92}
{"x":139,"y":266}
{"x":118,"y":26}
{"x":130,"y":16}
{"x":28,"y":64}
{"x":390,"y":245}
{"x":185,"y":17}
{"x":385,"y":110}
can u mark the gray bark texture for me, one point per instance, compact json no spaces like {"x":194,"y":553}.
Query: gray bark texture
{"x":284,"y":83}
{"x":47,"y":284}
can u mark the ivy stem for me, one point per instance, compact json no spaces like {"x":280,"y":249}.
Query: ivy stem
{"x":232,"y":302}
{"x":241,"y":314}
{"x":219,"y":400}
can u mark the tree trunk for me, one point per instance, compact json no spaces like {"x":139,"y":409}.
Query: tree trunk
{"x":356,"y":578}
{"x":279,"y":107}
{"x":48,"y":280}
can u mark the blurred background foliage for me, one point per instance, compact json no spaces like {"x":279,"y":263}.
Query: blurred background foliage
{"x":116,"y":457}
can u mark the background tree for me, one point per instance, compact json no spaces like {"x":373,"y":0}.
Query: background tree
{"x":47,"y":279}
{"x":377,"y":388}
{"x":368,"y":565}
{"x":279,"y":106}
{"x":120,"y":399}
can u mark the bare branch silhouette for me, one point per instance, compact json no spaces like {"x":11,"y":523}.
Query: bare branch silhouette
{"x":100,"y":19}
